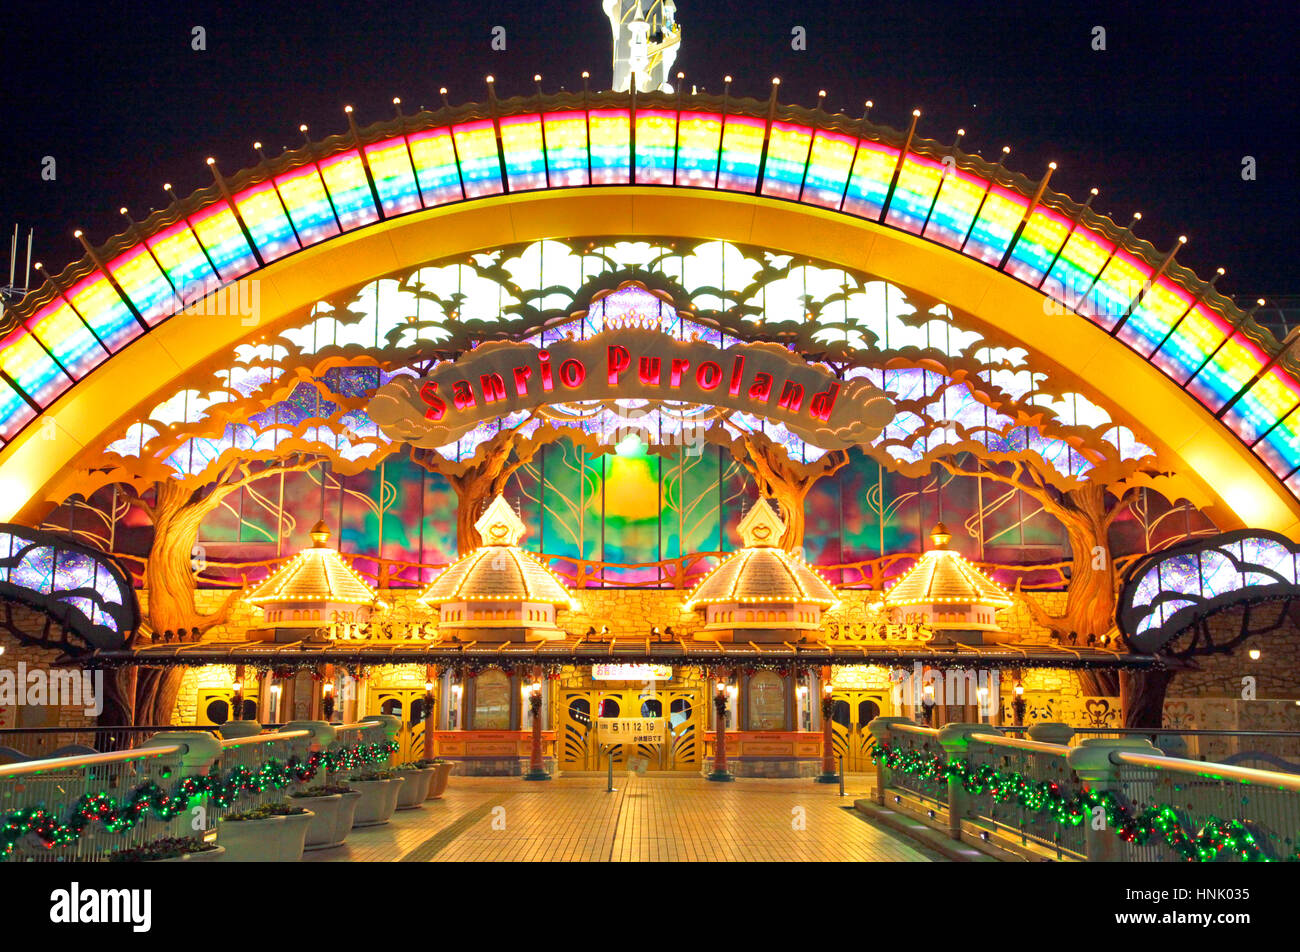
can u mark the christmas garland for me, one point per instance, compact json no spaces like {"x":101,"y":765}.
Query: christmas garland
{"x":1072,"y":809}
{"x":149,"y":798}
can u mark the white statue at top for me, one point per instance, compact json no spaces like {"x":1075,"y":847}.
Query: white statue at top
{"x":645,"y":43}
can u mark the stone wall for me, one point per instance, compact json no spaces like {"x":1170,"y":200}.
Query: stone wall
{"x":32,"y":659}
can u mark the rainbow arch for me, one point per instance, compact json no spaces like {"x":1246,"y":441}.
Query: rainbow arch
{"x":833,"y":166}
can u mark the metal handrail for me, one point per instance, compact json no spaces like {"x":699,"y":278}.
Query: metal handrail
{"x":998,"y":740}
{"x":1201,"y":768}
{"x":359,"y":725}
{"x":88,"y":760}
{"x":263,"y":738}
{"x":111,"y":728}
{"x":915,"y":729}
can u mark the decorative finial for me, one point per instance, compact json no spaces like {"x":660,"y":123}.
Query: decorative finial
{"x":320,"y":535}
{"x":761,"y":527}
{"x":940,"y":535}
{"x":500,"y":524}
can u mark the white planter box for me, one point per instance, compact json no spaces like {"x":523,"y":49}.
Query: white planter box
{"x":333,"y":820}
{"x":205,"y":856}
{"x":415,"y":790}
{"x":276,"y":839}
{"x":378,"y":801}
{"x":438,"y":780}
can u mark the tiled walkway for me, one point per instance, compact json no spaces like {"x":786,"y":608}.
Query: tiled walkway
{"x":652,"y":817}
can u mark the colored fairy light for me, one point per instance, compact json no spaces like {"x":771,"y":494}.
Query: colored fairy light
{"x":323,"y":197}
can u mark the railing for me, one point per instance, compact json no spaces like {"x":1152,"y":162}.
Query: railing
{"x":1035,"y":761}
{"x":35,"y":743}
{"x":1074,"y":802}
{"x":1267,"y":750}
{"x":1268,"y":803}
{"x":55,"y":786}
{"x":350,"y":735}
{"x":252,"y":752}
{"x":920,"y":741}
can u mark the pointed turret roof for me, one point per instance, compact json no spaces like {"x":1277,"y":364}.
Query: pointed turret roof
{"x":762,"y":571}
{"x":944,"y":577}
{"x":316,"y":574}
{"x":499,"y":570}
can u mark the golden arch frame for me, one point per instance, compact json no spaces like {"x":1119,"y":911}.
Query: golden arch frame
{"x":1212,"y":462}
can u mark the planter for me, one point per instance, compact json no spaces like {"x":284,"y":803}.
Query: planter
{"x":275,"y":839}
{"x":438,"y":780}
{"x":204,"y":856}
{"x":332,"y":821}
{"x":415,"y":788}
{"x":378,"y":801}
{"x":296,"y":827}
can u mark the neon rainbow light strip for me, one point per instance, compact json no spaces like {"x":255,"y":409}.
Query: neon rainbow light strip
{"x":957,"y":207}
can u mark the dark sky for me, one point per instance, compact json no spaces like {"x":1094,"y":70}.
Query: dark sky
{"x":1159,"y":121}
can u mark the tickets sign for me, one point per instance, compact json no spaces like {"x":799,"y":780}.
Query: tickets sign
{"x":631,"y":672}
{"x":630,"y":730}
{"x":628,"y":363}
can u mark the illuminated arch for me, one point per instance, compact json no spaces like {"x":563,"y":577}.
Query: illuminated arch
{"x":1071,"y":286}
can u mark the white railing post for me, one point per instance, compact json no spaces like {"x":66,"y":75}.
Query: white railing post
{"x":233,"y":729}
{"x":200,"y":749}
{"x":956,"y":741}
{"x":390,"y":725}
{"x":879,"y":729}
{"x":1091,"y":763}
{"x":1051,"y":732}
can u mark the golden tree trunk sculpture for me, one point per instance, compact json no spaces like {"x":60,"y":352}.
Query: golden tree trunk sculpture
{"x":170,"y":575}
{"x":478,"y":482}
{"x":1087,"y":513}
{"x":785,"y":480}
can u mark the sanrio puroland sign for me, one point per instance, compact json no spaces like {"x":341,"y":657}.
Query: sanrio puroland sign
{"x":501,"y":377}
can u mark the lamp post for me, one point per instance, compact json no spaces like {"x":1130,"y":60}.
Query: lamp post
{"x":237,"y":701}
{"x":828,"y":774}
{"x":720,"y":771}
{"x":1018,"y":705}
{"x":536,"y":767}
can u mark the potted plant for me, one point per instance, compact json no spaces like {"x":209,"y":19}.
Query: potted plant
{"x":169,"y":849}
{"x":271,"y":833}
{"x":334,"y":806}
{"x":379,"y":789}
{"x":440,"y":770}
{"x":415,"y":790}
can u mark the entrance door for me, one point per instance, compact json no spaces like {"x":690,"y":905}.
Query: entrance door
{"x":408,"y":704}
{"x":581,"y":708}
{"x":854,"y":710}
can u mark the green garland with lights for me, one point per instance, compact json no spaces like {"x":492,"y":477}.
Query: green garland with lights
{"x":1072,"y":809}
{"x":223,"y":788}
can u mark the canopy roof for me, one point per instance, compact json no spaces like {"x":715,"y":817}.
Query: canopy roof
{"x":318,"y":574}
{"x":943,"y":577}
{"x":499,"y":571}
{"x":762,"y":572}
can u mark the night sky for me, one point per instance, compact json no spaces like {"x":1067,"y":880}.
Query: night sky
{"x":1159,"y":121}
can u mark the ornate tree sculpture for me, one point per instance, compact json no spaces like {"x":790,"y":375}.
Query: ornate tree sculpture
{"x":178,"y":473}
{"x":1087,"y":497}
{"x":483,"y":476}
{"x":783,"y":479}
